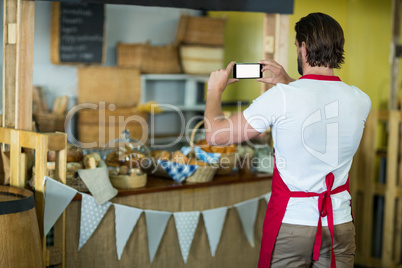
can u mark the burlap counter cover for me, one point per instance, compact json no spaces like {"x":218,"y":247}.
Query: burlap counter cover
{"x":233,"y":250}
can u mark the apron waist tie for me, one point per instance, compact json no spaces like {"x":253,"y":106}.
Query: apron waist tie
{"x":325,"y":210}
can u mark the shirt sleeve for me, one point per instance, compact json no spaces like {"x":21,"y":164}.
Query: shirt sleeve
{"x":267,"y":109}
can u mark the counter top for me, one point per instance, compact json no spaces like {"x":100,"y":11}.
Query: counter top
{"x":160,"y":184}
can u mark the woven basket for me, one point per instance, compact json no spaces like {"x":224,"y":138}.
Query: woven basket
{"x":149,"y":59}
{"x":202,"y":174}
{"x":128,"y":182}
{"x":201,"y":60}
{"x":227,"y":161}
{"x":201,"y":31}
{"x":49,"y":122}
{"x":77,"y":183}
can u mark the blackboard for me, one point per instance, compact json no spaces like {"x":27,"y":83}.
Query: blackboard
{"x":77,"y":33}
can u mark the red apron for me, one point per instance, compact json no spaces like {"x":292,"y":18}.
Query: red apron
{"x":276,"y":211}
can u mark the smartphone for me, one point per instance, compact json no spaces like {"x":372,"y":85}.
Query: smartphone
{"x":247,"y":70}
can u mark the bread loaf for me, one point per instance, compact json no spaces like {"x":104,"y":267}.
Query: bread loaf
{"x":180,"y":158}
{"x":123,"y":170}
{"x":91,"y":160}
{"x":60,"y":105}
{"x":163,"y":155}
{"x":112,"y":159}
{"x":218,"y":149}
{"x":74,"y":154}
{"x":196,"y":162}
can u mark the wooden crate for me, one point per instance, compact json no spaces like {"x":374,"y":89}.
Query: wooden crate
{"x":149,"y":59}
{"x":366,"y":183}
{"x":41,"y":143}
{"x":103,"y":126}
{"x":201,"y":31}
{"x":201,"y":60}
{"x":112,"y":85}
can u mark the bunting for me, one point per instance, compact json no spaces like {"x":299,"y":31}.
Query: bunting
{"x":58,"y":196}
{"x":248,"y":212}
{"x":267,"y":197}
{"x":125,"y":220}
{"x":156,"y":225}
{"x":186,"y":223}
{"x":213,"y":221}
{"x":91,"y":216}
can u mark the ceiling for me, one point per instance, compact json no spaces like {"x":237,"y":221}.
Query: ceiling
{"x":265,"y":6}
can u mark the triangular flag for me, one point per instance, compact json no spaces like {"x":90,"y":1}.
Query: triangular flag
{"x":91,"y":215}
{"x":248,"y":211}
{"x":57,"y":198}
{"x":267,"y":197}
{"x":186,"y":223}
{"x":156,"y":225}
{"x":214,"y":220}
{"x":125,"y":220}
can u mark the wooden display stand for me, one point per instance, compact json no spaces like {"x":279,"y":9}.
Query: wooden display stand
{"x":41,"y":143}
{"x":366,"y":184}
{"x":275,"y":41}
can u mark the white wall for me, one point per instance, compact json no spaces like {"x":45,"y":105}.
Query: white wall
{"x":129,"y":24}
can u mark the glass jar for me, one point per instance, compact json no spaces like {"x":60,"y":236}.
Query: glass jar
{"x":263,"y":160}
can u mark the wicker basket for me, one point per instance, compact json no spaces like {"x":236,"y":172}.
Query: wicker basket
{"x":201,"y":60}
{"x":202,"y":174}
{"x":49,"y":122}
{"x":201,"y":31}
{"x":128,"y":182}
{"x":227,"y":161}
{"x":77,"y":183}
{"x":149,"y":59}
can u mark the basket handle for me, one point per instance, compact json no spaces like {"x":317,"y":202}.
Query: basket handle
{"x":196,"y":127}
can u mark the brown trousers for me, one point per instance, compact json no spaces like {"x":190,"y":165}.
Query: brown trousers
{"x":294,"y":246}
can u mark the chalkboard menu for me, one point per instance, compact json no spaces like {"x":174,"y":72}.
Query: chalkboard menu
{"x":77,"y":33}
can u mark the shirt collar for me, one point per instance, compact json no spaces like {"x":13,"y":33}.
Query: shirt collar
{"x":320,"y":77}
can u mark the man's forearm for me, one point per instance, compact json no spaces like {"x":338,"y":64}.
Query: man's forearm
{"x":213,"y":108}
{"x":214,"y":119}
{"x":213,"y":115}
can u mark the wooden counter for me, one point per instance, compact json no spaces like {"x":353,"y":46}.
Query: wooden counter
{"x":165,"y":195}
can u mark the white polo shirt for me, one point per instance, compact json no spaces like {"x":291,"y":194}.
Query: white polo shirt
{"x":317,"y":123}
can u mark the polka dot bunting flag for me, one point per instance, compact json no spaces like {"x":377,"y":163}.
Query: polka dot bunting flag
{"x":186,"y":223}
{"x":91,"y":215}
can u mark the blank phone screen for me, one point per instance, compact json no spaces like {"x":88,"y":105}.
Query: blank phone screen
{"x":248,"y":70}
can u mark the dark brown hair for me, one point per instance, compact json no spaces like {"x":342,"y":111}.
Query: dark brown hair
{"x":324,"y":40}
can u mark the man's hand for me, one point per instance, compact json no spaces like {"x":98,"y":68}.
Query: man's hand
{"x":279,"y":74}
{"x":218,"y":80}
